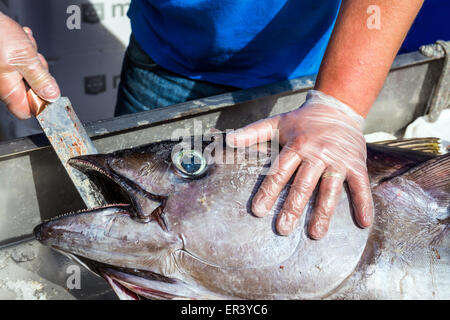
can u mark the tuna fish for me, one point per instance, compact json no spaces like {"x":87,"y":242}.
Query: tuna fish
{"x":178,"y":228}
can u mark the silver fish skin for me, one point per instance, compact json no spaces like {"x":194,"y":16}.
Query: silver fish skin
{"x":171,"y":236}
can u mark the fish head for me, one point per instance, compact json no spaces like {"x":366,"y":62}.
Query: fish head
{"x":179,"y":224}
{"x":137,"y":236}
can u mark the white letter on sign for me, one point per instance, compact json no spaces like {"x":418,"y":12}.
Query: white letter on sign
{"x":74,"y":20}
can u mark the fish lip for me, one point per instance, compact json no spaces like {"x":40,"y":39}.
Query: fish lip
{"x":82,"y":165}
{"x":82,"y":211}
{"x":37,"y":230}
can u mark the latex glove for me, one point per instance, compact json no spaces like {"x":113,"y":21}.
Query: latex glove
{"x":20,"y":60}
{"x":323,"y":140}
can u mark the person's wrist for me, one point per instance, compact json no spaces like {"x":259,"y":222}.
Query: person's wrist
{"x":319,"y":98}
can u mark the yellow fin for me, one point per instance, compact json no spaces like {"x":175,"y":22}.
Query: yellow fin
{"x":430,"y":145}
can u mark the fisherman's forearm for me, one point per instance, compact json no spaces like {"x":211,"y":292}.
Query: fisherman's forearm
{"x":358,"y":58}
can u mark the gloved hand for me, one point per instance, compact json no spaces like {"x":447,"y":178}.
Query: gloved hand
{"x":20,"y":60}
{"x":323,"y":140}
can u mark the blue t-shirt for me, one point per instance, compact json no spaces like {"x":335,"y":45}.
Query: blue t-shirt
{"x":429,"y":26}
{"x":242,"y":43}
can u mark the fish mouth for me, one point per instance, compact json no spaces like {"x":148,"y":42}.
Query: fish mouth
{"x":113,"y":192}
{"x":120,"y":191}
{"x":121,"y":197}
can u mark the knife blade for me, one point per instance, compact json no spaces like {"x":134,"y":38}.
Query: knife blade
{"x":69,"y":139}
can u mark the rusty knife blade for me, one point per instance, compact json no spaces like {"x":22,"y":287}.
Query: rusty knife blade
{"x":69,"y":139}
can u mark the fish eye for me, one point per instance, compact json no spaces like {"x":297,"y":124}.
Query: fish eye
{"x":190,"y":163}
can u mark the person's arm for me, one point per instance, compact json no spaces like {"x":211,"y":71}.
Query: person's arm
{"x":358,"y":59}
{"x":323,"y":142}
{"x":19,"y":63}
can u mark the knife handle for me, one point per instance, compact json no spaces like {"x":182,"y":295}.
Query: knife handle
{"x":37,"y":105}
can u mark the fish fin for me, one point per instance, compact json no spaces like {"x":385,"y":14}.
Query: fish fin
{"x":434,"y":177}
{"x":429,"y":145}
{"x":385,"y":162}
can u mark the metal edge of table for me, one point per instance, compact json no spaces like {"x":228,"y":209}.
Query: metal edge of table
{"x":99,"y":129}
